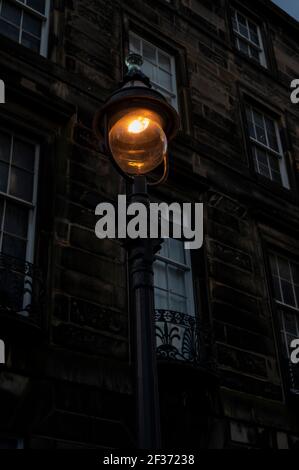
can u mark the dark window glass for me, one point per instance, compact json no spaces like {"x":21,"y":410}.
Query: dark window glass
{"x":23,"y":155}
{"x":8,"y":30}
{"x":38,"y":5}
{"x":11,"y":12}
{"x":21,"y":184}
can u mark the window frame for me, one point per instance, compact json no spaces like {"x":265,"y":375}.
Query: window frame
{"x":157,"y":86}
{"x":254,"y":143}
{"x":281,"y":309}
{"x":31,"y":206}
{"x":188,"y":279}
{"x":281,"y":302}
{"x":237,"y":35}
{"x":45,"y":26}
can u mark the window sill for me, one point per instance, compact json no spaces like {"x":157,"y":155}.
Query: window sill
{"x":278,"y":190}
{"x":240,"y":58}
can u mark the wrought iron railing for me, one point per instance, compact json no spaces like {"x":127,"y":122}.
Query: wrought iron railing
{"x":180,"y":337}
{"x":21,"y":289}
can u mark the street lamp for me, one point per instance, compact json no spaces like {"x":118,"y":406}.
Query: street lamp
{"x":135,"y":124}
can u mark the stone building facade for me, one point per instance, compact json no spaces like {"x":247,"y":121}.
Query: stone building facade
{"x":225,"y":377}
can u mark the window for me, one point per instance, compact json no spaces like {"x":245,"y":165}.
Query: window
{"x":248,"y":38}
{"x":285,"y":275}
{"x":285,"y":283}
{"x":158,"y":66}
{"x":18,"y":188}
{"x":266,"y":146}
{"x":173,"y":278}
{"x":26,"y":22}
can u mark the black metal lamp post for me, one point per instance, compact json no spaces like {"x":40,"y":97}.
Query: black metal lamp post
{"x":135,"y":124}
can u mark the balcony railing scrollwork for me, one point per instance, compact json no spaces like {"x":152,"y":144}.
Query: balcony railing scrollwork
{"x":181,"y":337}
{"x":21,"y":289}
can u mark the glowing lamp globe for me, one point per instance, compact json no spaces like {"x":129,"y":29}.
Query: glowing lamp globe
{"x":138,"y":142}
{"x":136,"y":123}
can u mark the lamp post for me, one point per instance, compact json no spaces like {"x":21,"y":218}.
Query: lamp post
{"x":135,"y":124}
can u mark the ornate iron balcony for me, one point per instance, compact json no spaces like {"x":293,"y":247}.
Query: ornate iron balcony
{"x":21,"y":289}
{"x":179,"y":337}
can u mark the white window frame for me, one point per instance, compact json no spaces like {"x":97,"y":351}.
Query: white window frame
{"x":31,"y":206}
{"x":45,"y":18}
{"x":188,"y":279}
{"x":281,"y":302}
{"x":284,"y":309}
{"x":256,"y":143}
{"x":172,"y":93}
{"x":238,"y":34}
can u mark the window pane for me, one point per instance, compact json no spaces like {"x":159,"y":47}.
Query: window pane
{"x":275,"y":170}
{"x":242,"y":25}
{"x":16,"y":220}
{"x":5,"y":142}
{"x":273,"y":265}
{"x":160,"y":274}
{"x":161,"y":301}
{"x":260,"y":132}
{"x":149,"y":52}
{"x":164,"y":62}
{"x":276,"y":289}
{"x":176,"y":250}
{"x":253,"y":33}
{"x":258,"y":119}
{"x":176,"y":280}
{"x":11,"y":12}
{"x":135,"y":44}
{"x":288,"y":293}
{"x":244,"y":31}
{"x":241,"y":19}
{"x":3,"y":176}
{"x":262,"y":157}
{"x":284,"y":269}
{"x":164,"y":79}
{"x":23,"y":155}
{"x":21,"y":184}
{"x":274,"y":163}
{"x":251,"y":127}
{"x":255,"y":53}
{"x":178,"y":304}
{"x":8,"y":30}
{"x":264,"y":171}
{"x":38,"y":5}
{"x":30,"y":42}
{"x":14,"y":246}
{"x":32,"y":25}
{"x":164,"y":248}
{"x":243,"y":46}
{"x":149,"y":70}
{"x":270,"y":126}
